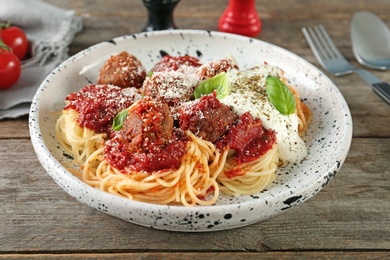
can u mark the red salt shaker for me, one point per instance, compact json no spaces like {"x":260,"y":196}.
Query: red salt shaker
{"x":240,"y":17}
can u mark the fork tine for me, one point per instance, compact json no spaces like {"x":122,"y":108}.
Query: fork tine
{"x":315,"y":44}
{"x":323,"y":40}
{"x":320,"y":40}
{"x":330,"y":44}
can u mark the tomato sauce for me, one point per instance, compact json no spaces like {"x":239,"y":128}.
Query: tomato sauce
{"x":235,"y":172}
{"x":249,"y":139}
{"x":97,"y":105}
{"x":168,"y":63}
{"x":168,"y":157}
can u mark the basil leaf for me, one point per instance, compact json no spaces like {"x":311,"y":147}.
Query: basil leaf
{"x":219,"y":83}
{"x":280,"y":95}
{"x":119,"y":119}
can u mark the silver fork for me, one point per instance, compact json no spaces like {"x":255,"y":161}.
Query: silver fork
{"x":333,"y":61}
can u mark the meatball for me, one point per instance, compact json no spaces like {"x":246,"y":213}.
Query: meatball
{"x":185,"y":64}
{"x":173,"y":87}
{"x":248,"y":138}
{"x":244,"y":132}
{"x":147,"y":141}
{"x":123,"y":70}
{"x":213,"y":68}
{"x":148,"y":126}
{"x":206,"y":117}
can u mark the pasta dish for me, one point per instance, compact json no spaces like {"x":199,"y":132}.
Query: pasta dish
{"x":183,"y":132}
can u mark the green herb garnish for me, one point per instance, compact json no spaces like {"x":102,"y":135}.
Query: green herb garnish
{"x":119,"y":119}
{"x":219,"y":83}
{"x":280,"y":95}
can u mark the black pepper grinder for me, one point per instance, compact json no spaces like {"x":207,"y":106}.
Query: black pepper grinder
{"x":160,"y":14}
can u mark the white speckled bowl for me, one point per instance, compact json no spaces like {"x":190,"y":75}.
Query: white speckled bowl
{"x":328,"y":138}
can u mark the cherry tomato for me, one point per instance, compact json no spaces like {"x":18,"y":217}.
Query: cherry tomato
{"x":10,"y":69}
{"x":16,"y":39}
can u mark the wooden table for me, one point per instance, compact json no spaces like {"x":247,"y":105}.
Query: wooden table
{"x":350,"y":218}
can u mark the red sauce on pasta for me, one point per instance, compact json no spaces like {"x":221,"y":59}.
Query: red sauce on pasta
{"x":235,"y":172}
{"x":97,"y":105}
{"x":119,"y":156}
{"x":249,"y":140}
{"x":168,"y":63}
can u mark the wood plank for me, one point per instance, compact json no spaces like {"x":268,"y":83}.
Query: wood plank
{"x":14,"y":128}
{"x":203,"y":255}
{"x":351,"y":212}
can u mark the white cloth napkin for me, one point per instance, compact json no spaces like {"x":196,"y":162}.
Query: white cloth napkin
{"x":49,"y":30}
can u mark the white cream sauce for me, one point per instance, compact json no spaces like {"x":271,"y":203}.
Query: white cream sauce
{"x":248,"y":94}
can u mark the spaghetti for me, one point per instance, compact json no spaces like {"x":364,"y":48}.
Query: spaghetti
{"x":174,"y":153}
